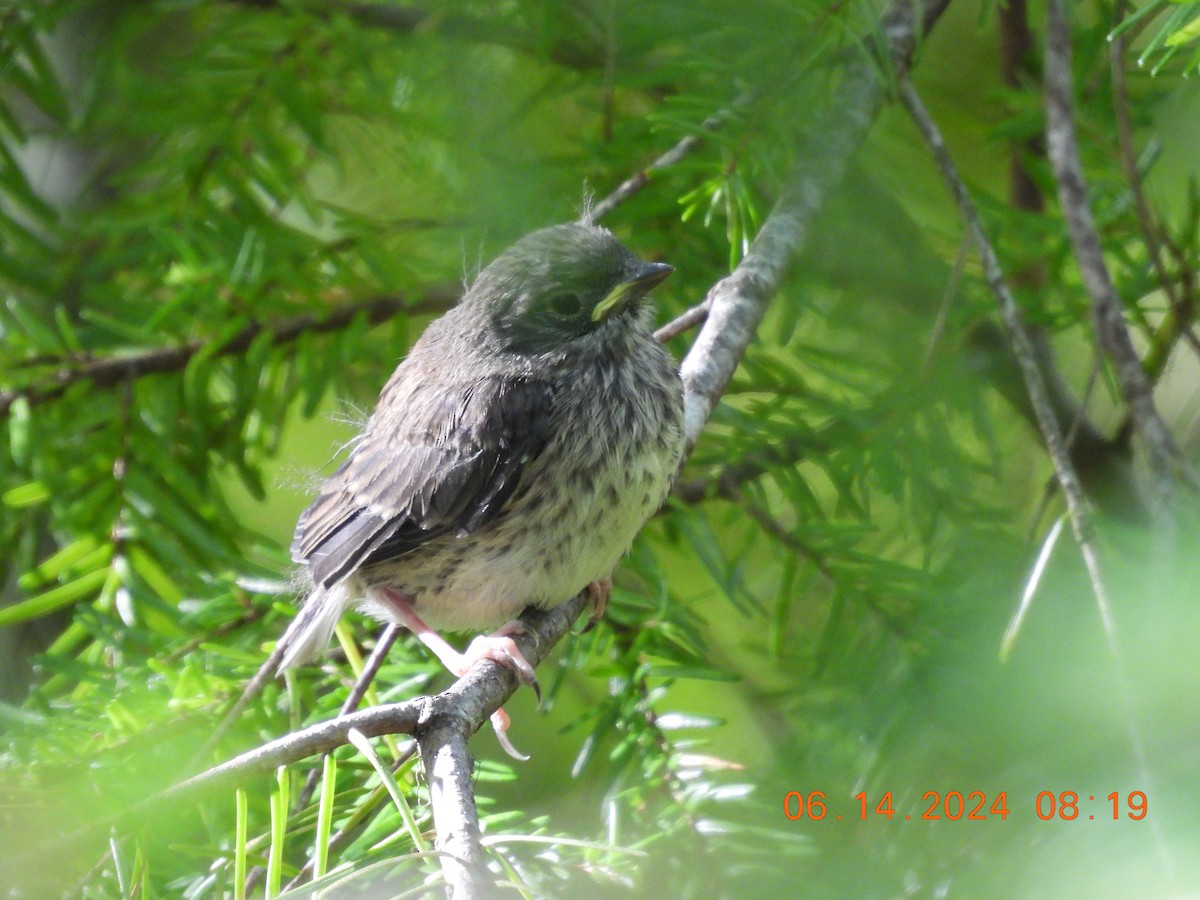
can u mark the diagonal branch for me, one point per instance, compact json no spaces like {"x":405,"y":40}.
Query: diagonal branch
{"x":1077,"y":507}
{"x":1112,"y":335}
{"x":638,"y":180}
{"x":463,"y":707}
{"x":1010,"y":313}
{"x":736,"y":304}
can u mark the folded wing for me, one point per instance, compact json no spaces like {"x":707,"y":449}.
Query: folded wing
{"x":434,"y":459}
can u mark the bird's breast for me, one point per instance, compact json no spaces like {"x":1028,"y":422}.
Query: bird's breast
{"x":614,"y":447}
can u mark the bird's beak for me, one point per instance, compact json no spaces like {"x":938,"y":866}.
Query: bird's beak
{"x":641,"y":280}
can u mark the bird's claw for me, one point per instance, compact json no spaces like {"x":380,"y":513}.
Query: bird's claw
{"x":501,"y":649}
{"x":598,"y":593}
{"x":500,"y":723}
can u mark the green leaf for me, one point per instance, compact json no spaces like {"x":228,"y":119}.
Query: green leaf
{"x":53,"y":599}
{"x":74,"y":554}
{"x":156,"y":578}
{"x":359,"y":740}
{"x":32,"y":494}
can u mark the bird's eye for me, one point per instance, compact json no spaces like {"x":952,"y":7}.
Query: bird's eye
{"x":565,"y":304}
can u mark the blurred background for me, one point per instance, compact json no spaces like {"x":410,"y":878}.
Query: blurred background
{"x":222,"y":224}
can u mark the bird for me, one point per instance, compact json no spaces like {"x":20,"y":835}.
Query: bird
{"x":513,"y":456}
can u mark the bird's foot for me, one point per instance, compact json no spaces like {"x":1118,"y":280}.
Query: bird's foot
{"x":598,"y":593}
{"x":499,"y":647}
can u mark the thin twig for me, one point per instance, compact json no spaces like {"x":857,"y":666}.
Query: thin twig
{"x":112,"y":371}
{"x":390,"y":718}
{"x":685,"y":321}
{"x":799,"y":548}
{"x":1179,"y":292}
{"x":948,"y":295}
{"x":685,"y":145}
{"x":1078,"y":424}
{"x":387,"y":638}
{"x":1077,"y":508}
{"x":1010,"y":313}
{"x":1128,"y":156}
{"x":1113,"y":336}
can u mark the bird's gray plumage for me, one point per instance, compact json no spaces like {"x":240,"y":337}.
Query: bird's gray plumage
{"x":514,"y":453}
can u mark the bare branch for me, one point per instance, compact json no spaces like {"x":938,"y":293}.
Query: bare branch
{"x":452,"y":718}
{"x":686,"y":145}
{"x":466,"y":705}
{"x":391,"y":718}
{"x":727,"y":483}
{"x":685,"y":321}
{"x":1010,"y":313}
{"x":1077,"y":507}
{"x":111,"y":371}
{"x":1113,"y":336}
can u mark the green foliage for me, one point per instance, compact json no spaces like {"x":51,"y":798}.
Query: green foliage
{"x":1176,"y":37}
{"x":220,"y":226}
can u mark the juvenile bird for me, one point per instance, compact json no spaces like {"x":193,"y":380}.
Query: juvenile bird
{"x":513,"y":456}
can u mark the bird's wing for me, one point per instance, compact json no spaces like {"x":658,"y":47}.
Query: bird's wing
{"x":435,"y":459}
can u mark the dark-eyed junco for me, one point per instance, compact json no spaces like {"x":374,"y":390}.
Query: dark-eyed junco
{"x":512,"y":458}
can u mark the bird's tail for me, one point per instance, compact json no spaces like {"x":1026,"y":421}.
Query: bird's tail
{"x":310,"y":631}
{"x":306,"y":637}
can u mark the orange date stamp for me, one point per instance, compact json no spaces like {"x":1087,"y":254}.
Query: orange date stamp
{"x":974,"y":806}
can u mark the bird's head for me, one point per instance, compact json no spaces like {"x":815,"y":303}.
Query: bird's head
{"x":561,"y":283}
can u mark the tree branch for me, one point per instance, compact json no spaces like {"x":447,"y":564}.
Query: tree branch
{"x":736,"y":304}
{"x":1010,"y":314}
{"x":111,"y":371}
{"x":1112,"y":335}
{"x":1180,"y":293}
{"x":448,"y":723}
{"x":398,"y":19}
{"x":463,"y":707}
{"x":685,"y":321}
{"x":116,"y":370}
{"x":1016,"y":68}
{"x":634,"y":183}
{"x":1077,"y":507}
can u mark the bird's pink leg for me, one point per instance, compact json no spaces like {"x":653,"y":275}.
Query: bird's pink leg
{"x":498,"y":647}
